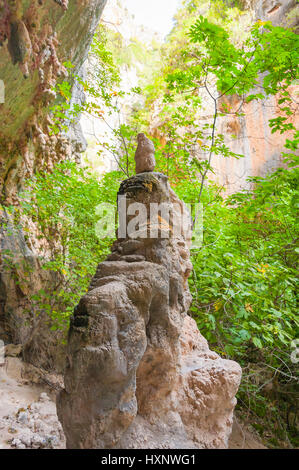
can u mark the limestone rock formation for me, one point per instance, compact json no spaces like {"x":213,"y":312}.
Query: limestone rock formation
{"x":36,"y":38}
{"x":145,"y":155}
{"x":138,"y":372}
{"x":279,"y":12}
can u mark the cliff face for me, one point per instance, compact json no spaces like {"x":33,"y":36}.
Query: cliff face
{"x":250,"y":136}
{"x":139,"y":374}
{"x":36,"y":37}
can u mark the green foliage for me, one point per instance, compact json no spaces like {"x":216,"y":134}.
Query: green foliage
{"x":132,"y":53}
{"x":244,"y":278}
{"x":244,"y":288}
{"x":62,"y":205}
{"x":246,"y":271}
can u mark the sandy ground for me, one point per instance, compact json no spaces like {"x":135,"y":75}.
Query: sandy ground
{"x":28,"y":415}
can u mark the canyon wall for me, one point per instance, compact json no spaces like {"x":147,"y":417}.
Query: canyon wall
{"x":36,"y":38}
{"x":280,"y":12}
{"x":250,"y":135}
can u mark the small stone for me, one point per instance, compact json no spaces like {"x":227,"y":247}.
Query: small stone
{"x":21,"y":446}
{"x":52,"y":441}
{"x":38,"y":441}
{"x":15,"y":442}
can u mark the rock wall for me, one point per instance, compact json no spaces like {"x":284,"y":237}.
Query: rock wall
{"x":139,"y":374}
{"x":36,"y":38}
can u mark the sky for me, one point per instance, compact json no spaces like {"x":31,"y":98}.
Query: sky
{"x":155,"y":14}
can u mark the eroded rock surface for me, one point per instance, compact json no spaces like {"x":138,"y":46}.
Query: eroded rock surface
{"x":138,"y":373}
{"x":145,"y":155}
{"x":28,"y":418}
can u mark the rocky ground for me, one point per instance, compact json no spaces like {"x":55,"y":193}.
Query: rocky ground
{"x":28,"y":416}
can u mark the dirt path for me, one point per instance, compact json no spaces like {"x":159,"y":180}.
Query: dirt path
{"x":28,"y":415}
